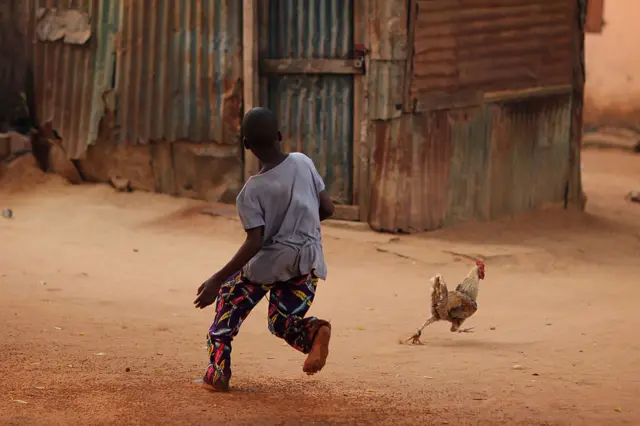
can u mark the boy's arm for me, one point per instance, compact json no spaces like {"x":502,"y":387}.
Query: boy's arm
{"x":208,"y":291}
{"x":326,"y":206}
{"x":252,"y":218}
{"x":326,"y":203}
{"x":251,"y":246}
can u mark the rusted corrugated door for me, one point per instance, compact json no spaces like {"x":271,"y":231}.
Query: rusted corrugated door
{"x":306,"y":58}
{"x":466,"y":48}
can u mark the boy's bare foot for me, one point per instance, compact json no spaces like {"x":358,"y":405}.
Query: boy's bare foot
{"x":209,"y":387}
{"x":317,"y":357}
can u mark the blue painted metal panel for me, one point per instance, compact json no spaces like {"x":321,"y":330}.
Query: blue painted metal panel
{"x":107,"y":23}
{"x":315,"y":111}
{"x":70,"y":79}
{"x":180,"y":71}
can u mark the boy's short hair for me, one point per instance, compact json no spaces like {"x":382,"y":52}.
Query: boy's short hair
{"x":259,"y":127}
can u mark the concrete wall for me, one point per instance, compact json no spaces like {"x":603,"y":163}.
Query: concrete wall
{"x":612,"y":95}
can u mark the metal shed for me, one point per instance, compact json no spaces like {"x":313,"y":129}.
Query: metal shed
{"x":419,"y":114}
{"x":426,"y":113}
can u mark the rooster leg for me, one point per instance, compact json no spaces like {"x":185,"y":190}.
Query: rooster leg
{"x":455,"y":326}
{"x":415,"y":339}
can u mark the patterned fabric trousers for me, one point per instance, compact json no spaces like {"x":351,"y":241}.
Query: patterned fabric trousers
{"x":288,"y":303}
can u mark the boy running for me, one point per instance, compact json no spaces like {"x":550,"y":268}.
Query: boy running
{"x":280,"y":209}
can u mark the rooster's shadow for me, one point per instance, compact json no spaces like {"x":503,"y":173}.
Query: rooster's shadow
{"x":475,"y":344}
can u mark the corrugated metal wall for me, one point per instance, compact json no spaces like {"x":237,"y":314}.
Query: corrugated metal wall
{"x":177,"y":72}
{"x":315,"y":111}
{"x":180,"y":71}
{"x":440,"y":168}
{"x":387,"y":28}
{"x":178,"y":65}
{"x":447,"y":165}
{"x":492,"y":45}
{"x":69,"y":79}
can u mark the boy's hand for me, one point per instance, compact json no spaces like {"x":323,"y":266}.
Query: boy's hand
{"x":326,"y":206}
{"x":208,"y":292}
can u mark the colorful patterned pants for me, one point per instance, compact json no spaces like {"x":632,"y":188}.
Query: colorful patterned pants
{"x":288,"y":303}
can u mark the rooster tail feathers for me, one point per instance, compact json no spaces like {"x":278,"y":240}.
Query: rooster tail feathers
{"x":439,"y":293}
{"x":433,"y":280}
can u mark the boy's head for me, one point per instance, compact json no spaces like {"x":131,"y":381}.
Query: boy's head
{"x":260,"y":132}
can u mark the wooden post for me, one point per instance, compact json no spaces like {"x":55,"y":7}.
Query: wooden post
{"x":360,"y":111}
{"x":407,"y":104}
{"x":250,"y":75}
{"x":574,"y":195}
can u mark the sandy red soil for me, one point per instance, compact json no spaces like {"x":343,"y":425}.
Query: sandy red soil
{"x":96,"y":292}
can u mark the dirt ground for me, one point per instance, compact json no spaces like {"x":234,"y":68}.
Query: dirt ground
{"x":98,"y":325}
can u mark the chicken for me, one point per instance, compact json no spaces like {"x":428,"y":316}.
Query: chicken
{"x":453,"y":306}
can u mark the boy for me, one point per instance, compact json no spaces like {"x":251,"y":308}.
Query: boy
{"x":280,"y":209}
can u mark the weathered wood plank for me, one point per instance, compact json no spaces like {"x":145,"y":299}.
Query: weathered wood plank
{"x":574,"y":195}
{"x":311,"y":66}
{"x":344,"y":212}
{"x":408,"y":73}
{"x":363,"y":153}
{"x":528,"y":93}
{"x":359,"y":81}
{"x":434,"y":101}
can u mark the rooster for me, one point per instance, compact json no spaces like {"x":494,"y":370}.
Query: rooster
{"x":453,"y":306}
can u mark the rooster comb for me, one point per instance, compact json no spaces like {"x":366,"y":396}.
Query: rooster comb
{"x":479,"y":263}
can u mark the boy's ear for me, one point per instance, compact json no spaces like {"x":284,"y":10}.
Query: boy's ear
{"x":279,"y":136}
{"x":245,"y":142}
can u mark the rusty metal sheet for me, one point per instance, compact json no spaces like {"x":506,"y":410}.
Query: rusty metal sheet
{"x":179,"y":71}
{"x":386,"y":80}
{"x":70,"y":79}
{"x":410,"y":172}
{"x":389,"y":145}
{"x":315,"y":111}
{"x":311,"y":29}
{"x":442,"y":168}
{"x":470,"y":144}
{"x":492,"y":45}
{"x":530,"y":154}
{"x":387,"y":21}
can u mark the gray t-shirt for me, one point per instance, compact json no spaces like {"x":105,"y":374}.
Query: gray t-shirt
{"x":285,"y":200}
